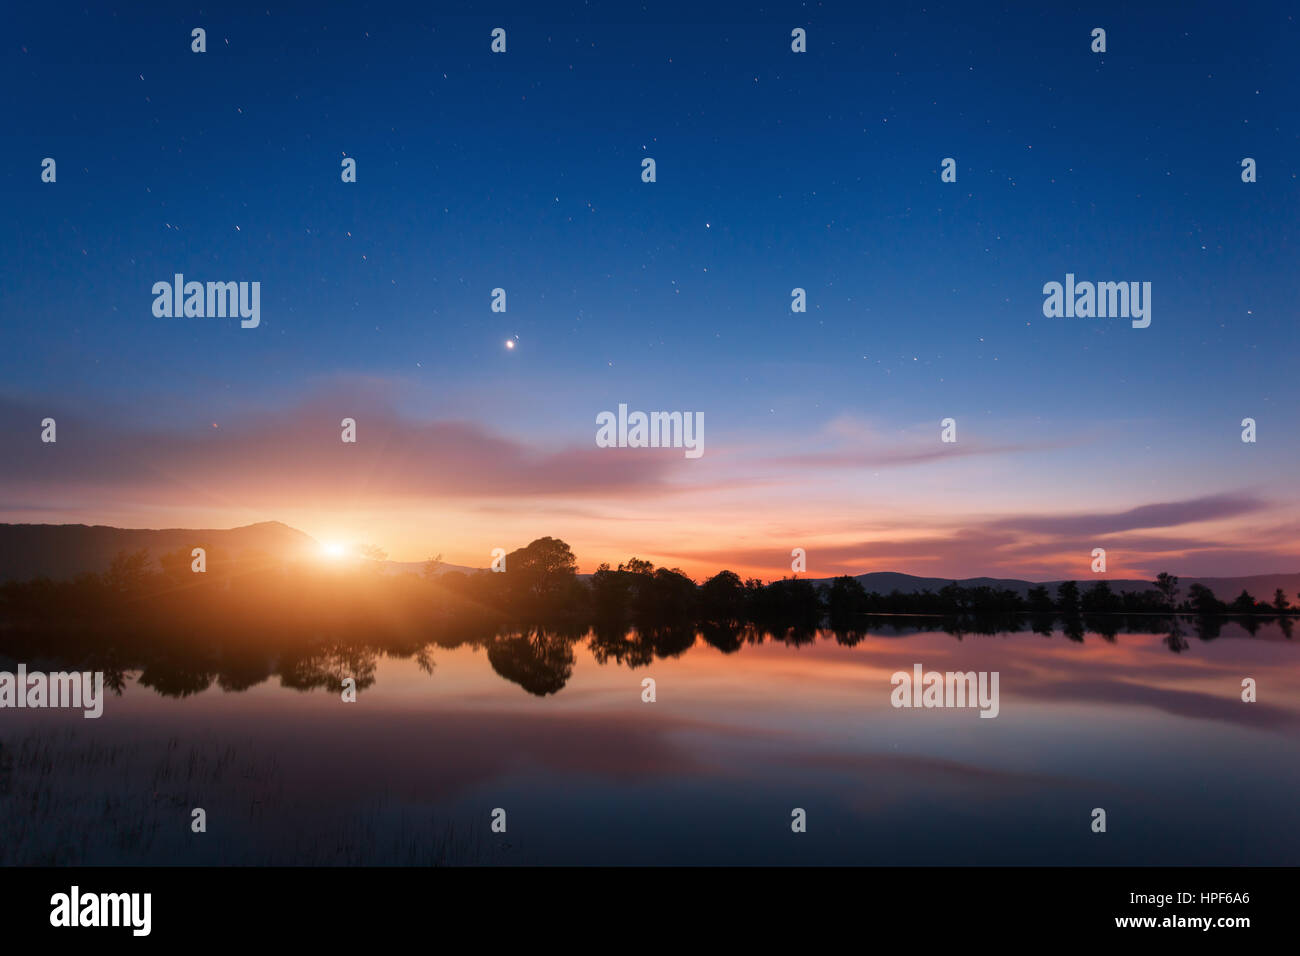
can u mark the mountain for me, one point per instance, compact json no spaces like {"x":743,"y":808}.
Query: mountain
{"x":417,"y":567}
{"x":1261,"y":586}
{"x":66,"y":550}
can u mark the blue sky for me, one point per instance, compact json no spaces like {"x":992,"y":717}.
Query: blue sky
{"x":775,"y":170}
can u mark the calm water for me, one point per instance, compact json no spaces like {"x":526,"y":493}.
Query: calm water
{"x":709,"y":773}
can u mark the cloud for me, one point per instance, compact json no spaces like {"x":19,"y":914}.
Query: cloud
{"x":298,"y":454}
{"x":1177,"y":702}
{"x":861,"y":445}
{"x":888,"y":458}
{"x":1024,"y":546}
{"x":1161,"y":515}
{"x":970,"y":547}
{"x":471,"y":480}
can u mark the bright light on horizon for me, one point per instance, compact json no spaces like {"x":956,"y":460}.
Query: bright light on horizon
{"x":333,"y":549}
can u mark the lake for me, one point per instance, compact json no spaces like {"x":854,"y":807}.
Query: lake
{"x":554,"y":732}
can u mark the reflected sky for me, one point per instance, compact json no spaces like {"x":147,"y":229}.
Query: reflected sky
{"x":707,"y":774}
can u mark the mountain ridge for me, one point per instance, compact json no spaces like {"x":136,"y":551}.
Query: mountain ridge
{"x":1224,"y":587}
{"x":65,"y":550}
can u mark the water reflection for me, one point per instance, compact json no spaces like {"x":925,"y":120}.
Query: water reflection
{"x":549,"y":723}
{"x":539,"y":659}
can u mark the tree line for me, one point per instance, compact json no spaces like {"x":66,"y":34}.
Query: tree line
{"x":248,"y":618}
{"x":541,"y":584}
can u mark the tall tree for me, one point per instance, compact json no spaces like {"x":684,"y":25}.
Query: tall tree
{"x":1067,"y":596}
{"x":1167,"y":585}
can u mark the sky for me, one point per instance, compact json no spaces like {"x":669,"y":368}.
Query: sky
{"x":775,"y":170}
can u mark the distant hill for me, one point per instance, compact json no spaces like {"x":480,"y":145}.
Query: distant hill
{"x":66,"y":550}
{"x":417,"y":567}
{"x":1261,"y":586}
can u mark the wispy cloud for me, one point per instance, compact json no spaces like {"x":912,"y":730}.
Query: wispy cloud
{"x":297,"y":453}
{"x":845,"y":442}
{"x":1161,"y":515}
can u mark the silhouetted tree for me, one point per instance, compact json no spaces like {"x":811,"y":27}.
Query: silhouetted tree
{"x":1167,"y":585}
{"x":722,"y":598}
{"x":786,"y":603}
{"x":540,"y":580}
{"x":1203,"y":601}
{"x":664,"y":596}
{"x":1067,"y":598}
{"x":1040,"y":601}
{"x":129,"y":572}
{"x":1244,"y":603}
{"x":611,"y":595}
{"x":846,"y":602}
{"x":1099,"y":599}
